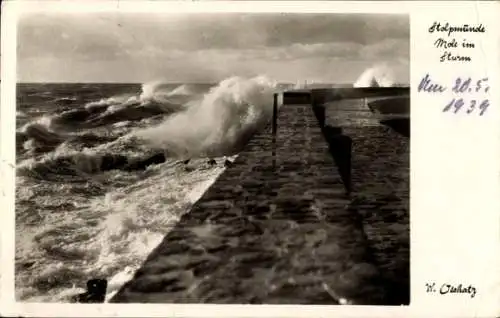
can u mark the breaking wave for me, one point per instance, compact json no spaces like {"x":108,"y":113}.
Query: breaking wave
{"x":109,"y":112}
{"x":215,"y":124}
{"x":35,"y":138}
{"x":158,"y":92}
{"x":377,"y":76}
{"x":100,"y":181}
{"x":153,"y":101}
{"x":219,"y":123}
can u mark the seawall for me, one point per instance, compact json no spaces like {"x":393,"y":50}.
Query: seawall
{"x":316,"y":215}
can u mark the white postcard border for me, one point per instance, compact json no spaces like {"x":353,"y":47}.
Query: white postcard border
{"x":425,"y":116}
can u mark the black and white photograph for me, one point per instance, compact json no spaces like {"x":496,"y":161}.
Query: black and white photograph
{"x":212,"y":158}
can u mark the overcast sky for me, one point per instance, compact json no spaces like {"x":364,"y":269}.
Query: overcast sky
{"x":126,"y":47}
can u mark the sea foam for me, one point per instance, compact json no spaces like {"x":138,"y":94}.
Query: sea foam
{"x":217,"y":124}
{"x":376,"y":76}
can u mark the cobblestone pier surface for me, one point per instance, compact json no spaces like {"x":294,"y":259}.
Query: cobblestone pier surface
{"x":277,"y":227}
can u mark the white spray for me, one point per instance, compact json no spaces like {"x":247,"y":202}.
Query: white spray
{"x":219,"y":123}
{"x":377,"y":76}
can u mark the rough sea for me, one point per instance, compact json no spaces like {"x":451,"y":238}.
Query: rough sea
{"x":105,"y":170}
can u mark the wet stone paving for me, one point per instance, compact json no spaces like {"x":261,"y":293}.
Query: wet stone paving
{"x":277,"y":227}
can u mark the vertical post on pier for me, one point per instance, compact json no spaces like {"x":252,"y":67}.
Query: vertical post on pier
{"x":275,"y":126}
{"x":275,"y":114}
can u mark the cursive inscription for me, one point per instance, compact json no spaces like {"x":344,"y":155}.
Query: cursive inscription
{"x":448,"y":56}
{"x":450,"y":29}
{"x":457,"y":289}
{"x":448,"y":288}
{"x":428,"y":86}
{"x":463,"y":89}
{"x":450,"y":46}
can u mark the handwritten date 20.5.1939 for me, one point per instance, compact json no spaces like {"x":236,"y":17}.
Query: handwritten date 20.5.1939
{"x":463,"y":90}
{"x":470,"y":106}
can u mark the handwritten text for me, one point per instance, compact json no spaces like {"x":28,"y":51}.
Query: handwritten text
{"x":451,"y":45}
{"x":448,"y":288}
{"x":469,"y":95}
{"x":447,"y":28}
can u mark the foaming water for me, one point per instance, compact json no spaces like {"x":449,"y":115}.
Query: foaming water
{"x":161,"y":93}
{"x":151,"y":102}
{"x":219,"y":123}
{"x":111,"y":224}
{"x":79,"y":213}
{"x":377,"y":76}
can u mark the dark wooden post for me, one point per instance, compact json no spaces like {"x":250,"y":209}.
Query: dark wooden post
{"x":275,"y":126}
{"x":275,"y":114}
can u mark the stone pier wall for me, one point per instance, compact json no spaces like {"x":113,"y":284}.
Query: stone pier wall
{"x":280,"y":227}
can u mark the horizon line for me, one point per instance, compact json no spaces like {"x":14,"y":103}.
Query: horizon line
{"x":168,"y":82}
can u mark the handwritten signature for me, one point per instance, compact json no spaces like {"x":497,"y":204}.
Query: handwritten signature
{"x":448,"y":288}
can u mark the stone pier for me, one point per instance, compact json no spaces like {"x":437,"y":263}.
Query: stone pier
{"x":309,"y":213}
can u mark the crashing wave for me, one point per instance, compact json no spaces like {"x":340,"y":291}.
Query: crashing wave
{"x":220,"y":123}
{"x":377,"y":76}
